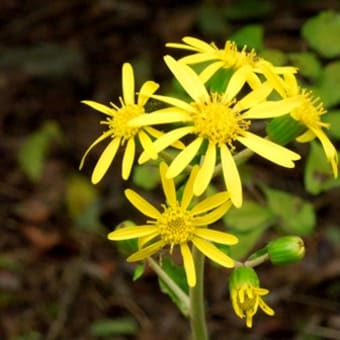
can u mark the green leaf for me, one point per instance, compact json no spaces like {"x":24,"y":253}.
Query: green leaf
{"x":139,"y":271}
{"x":251,"y":36}
{"x":318,"y":175}
{"x":322,"y":33}
{"x":295,"y":215}
{"x":308,"y":64}
{"x":114,"y":327}
{"x":250,"y":216}
{"x":33,"y":152}
{"x":276,"y":57}
{"x":247,"y":223}
{"x":177,"y":274}
{"x":327,"y":86}
{"x":146,"y":176}
{"x":333,"y":118}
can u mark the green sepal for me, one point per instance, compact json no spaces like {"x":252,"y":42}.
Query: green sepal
{"x":242,"y":276}
{"x":283,"y":130}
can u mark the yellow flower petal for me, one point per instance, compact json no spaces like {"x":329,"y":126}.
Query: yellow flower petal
{"x":266,"y":308}
{"x":330,"y":151}
{"x":181,"y":104}
{"x":142,"y":241}
{"x":188,"y":189}
{"x":269,"y":150}
{"x":164,"y":141}
{"x":184,"y":158}
{"x":128,"y":84}
{"x":189,"y":265}
{"x":210,"y":203}
{"x":206,"y":172}
{"x":127,"y":233}
{"x":198,"y":44}
{"x":254,"y":97}
{"x":99,"y":107}
{"x":272,"y":109}
{"x":105,"y":160}
{"x":210,"y":70}
{"x":141,"y":204}
{"x":216,"y":236}
{"x":147,"y":145}
{"x":212,"y":216}
{"x":181,"y":46}
{"x":231,"y":176}
{"x":97,"y":141}
{"x":197,"y":58}
{"x":253,"y":80}
{"x":306,"y":137}
{"x":147,"y":89}
{"x":268,"y":70}
{"x":129,"y":156}
{"x":189,"y":80}
{"x":164,"y":116}
{"x":168,"y":185}
{"x":146,"y":252}
{"x":209,"y":250}
{"x":236,"y":82}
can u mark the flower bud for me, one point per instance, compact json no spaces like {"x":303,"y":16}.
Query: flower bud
{"x":246,"y":294}
{"x":286,"y":249}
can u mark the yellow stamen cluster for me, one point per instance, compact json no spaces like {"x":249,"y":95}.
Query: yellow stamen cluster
{"x":217,"y":121}
{"x":235,"y":58}
{"x":310,"y":110}
{"x":175,"y":226}
{"x":118,"y":124}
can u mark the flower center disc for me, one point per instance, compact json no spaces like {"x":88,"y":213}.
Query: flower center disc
{"x":119,"y":123}
{"x":175,"y":226}
{"x":217,"y":121}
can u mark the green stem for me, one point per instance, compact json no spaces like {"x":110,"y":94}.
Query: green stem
{"x":196,"y":294}
{"x":253,"y":263}
{"x":171,"y":284}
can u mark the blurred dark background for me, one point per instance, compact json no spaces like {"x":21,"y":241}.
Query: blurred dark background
{"x":59,"y":276}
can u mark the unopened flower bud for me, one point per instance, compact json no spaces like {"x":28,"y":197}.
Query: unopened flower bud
{"x":286,"y":249}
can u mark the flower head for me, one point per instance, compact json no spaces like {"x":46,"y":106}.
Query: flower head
{"x":309,"y":113}
{"x":179,"y":224}
{"x":229,"y":57}
{"x":246,"y":294}
{"x":222,"y":121}
{"x":118,"y":130}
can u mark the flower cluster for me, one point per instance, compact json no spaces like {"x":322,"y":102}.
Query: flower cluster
{"x":210,"y":130}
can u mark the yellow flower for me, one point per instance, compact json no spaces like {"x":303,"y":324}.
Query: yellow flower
{"x":179,"y":224}
{"x":246,"y":295}
{"x":229,"y":57}
{"x":309,"y":114}
{"x":221,"y":120}
{"x":119,"y":131}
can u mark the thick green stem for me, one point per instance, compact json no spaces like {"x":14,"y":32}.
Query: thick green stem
{"x":196,"y":294}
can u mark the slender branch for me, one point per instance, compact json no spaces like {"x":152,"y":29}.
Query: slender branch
{"x":184,"y":298}
{"x":197,"y":312}
{"x":253,"y":263}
